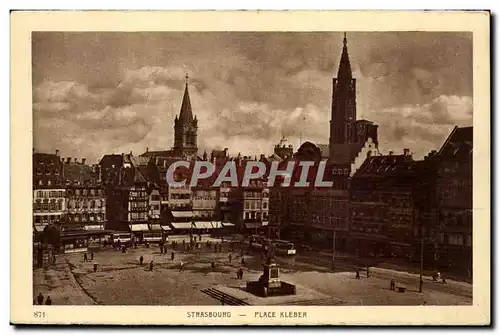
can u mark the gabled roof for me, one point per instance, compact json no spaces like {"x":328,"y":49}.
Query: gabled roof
{"x":108,"y":161}
{"x":459,"y":144}
{"x":383,"y":165}
{"x":158,"y":153}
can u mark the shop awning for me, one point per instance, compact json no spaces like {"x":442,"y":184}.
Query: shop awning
{"x":253,"y":225}
{"x":228,"y":224}
{"x":166,"y":228}
{"x":155,"y":227}
{"x":216,"y":224}
{"x":94,"y":227}
{"x":182,"y":214}
{"x":139,"y":227}
{"x":39,"y":228}
{"x":203,"y":224}
{"x":182,"y":225}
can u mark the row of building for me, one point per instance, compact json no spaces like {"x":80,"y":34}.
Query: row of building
{"x":389,"y":206}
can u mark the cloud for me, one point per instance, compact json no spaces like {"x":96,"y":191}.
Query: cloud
{"x":113,"y":92}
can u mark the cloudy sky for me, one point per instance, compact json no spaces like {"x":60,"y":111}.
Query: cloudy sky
{"x":98,"y":93}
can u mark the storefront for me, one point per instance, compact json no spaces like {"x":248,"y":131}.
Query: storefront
{"x":203,"y":227}
{"x":183,"y":228}
{"x":83,"y":241}
{"x":252,"y":228}
{"x":138,"y":231}
{"x":154,"y":235}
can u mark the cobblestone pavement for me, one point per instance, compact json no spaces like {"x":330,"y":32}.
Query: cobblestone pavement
{"x":120,"y":280}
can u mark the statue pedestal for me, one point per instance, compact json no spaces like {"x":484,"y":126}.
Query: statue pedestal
{"x":269,"y":283}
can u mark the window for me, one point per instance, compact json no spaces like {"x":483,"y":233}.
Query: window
{"x":40,"y":182}
{"x":456,"y":239}
{"x":264,"y":205}
{"x":247,"y":205}
{"x":77,"y":192}
{"x":346,"y":171}
{"x":49,"y":182}
{"x":60,"y":204}
{"x":247,"y":215}
{"x":85,"y":191}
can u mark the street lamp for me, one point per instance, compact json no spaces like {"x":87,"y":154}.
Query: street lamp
{"x":333,"y":243}
{"x":421,"y":256}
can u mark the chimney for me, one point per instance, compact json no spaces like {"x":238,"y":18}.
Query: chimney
{"x":83,"y":161}
{"x":147,"y":149}
{"x":406,"y":151}
{"x":391,"y":153}
{"x":130,"y":152}
{"x":68,"y":160}
{"x":57,"y":152}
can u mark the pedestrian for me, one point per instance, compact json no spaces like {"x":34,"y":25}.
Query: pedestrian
{"x":141,"y":259}
{"x":393,"y":285}
{"x":53,"y":259}
{"x":240,"y":273}
{"x":172,"y":256}
{"x":443,"y":280}
{"x":357,"y":275}
{"x":85,"y":257}
{"x":95,"y":267}
{"x":39,"y":299}
{"x":91,"y":256}
{"x":212,"y":264}
{"x":48,"y":301}
{"x":367,"y":272}
{"x":230,"y":257}
{"x":161,"y":249}
{"x":151,"y":264}
{"x":181,"y":266}
{"x":243,"y":261}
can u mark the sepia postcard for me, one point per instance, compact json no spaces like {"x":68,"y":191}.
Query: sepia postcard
{"x":250,"y":168}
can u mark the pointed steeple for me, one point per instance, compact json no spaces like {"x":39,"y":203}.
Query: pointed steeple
{"x":186,"y":114}
{"x":345,"y":65}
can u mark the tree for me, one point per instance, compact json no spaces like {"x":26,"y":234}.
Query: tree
{"x":52,"y":235}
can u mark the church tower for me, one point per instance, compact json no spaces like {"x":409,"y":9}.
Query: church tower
{"x":343,"y":118}
{"x":186,"y":129}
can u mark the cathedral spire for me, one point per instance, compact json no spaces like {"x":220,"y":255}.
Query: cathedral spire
{"x":186,"y":114}
{"x":345,"y":65}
